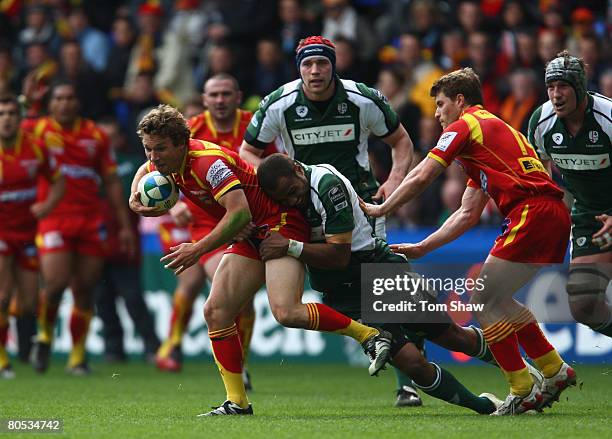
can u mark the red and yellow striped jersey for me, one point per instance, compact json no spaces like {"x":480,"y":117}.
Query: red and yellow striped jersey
{"x":496,"y":158}
{"x":84,"y":156}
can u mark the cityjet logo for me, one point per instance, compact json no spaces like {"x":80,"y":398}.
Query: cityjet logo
{"x":582,"y":162}
{"x":324,"y":134}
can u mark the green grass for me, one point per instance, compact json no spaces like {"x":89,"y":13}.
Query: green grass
{"x":290,"y":400}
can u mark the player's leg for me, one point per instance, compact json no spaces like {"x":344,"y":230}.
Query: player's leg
{"x":87,"y":272}
{"x":27,"y":284}
{"x":589,"y":276}
{"x":467,"y":340}
{"x":501,"y":279}
{"x":590,"y":273}
{"x":189,"y":284}
{"x":55,"y":269}
{"x":7,"y":282}
{"x":285,"y":285}
{"x":235,"y":282}
{"x":438,"y":382}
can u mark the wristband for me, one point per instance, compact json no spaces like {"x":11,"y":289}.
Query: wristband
{"x":295,"y":248}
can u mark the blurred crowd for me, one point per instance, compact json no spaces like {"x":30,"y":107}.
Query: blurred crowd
{"x":127,"y":56}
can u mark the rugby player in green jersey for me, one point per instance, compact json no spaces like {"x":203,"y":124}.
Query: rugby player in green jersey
{"x":572,"y":130}
{"x":341,"y":240}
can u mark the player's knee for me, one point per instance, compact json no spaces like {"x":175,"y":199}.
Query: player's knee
{"x":584,"y":307}
{"x":285,"y":315}
{"x":212,"y":314}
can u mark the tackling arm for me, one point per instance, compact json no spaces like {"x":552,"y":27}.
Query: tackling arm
{"x":251,"y":154}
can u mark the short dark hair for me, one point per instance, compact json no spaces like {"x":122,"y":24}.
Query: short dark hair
{"x":165,"y":121}
{"x":273,"y":168}
{"x":223,"y":77}
{"x":464,"y":81}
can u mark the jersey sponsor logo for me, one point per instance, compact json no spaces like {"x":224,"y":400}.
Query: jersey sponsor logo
{"x":324,"y":134}
{"x":337,"y":197}
{"x":581,"y":241}
{"x":18,"y":195}
{"x":445,"y":140}
{"x":531,"y":164}
{"x":581,"y":162}
{"x":79,"y":172}
{"x":557,"y":138}
{"x":593,"y":136}
{"x":218,"y":173}
{"x":301,"y":110}
{"x":342,"y":107}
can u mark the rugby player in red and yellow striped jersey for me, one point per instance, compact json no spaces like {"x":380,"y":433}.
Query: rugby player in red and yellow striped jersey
{"x":502,"y":166}
{"x":22,"y":161}
{"x":72,"y":240}
{"x":219,"y":181}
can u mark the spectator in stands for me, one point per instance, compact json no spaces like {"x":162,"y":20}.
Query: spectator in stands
{"x":420,"y":74}
{"x":523,"y":99}
{"x":94,"y":43}
{"x":341,"y":19}
{"x":270,"y":71}
{"x":470,"y":16}
{"x":74,"y":68}
{"x":294,"y":27}
{"x":9,"y":79}
{"x":605,"y":83}
{"x":39,"y":28}
{"x":590,"y":50}
{"x":348,"y":65}
{"x":549,"y":44}
{"x":123,"y":37}
{"x":453,"y":50}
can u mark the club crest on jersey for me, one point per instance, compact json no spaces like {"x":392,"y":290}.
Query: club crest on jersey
{"x":342,"y":108}
{"x":593,"y":136}
{"x":557,"y":138}
{"x":581,"y":241}
{"x":301,"y":110}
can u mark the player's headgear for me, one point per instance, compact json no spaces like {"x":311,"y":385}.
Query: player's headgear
{"x":316,"y":46}
{"x":569,"y":69}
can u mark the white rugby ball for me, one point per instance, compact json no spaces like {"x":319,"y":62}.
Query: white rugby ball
{"x":157,"y":190}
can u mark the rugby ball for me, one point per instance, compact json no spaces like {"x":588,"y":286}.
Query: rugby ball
{"x":157,"y":190}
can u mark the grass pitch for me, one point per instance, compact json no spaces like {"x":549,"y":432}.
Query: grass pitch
{"x":290,"y":400}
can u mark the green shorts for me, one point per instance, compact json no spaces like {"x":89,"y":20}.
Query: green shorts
{"x":584,"y":225}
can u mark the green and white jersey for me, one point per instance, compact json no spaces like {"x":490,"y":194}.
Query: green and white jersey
{"x":584,"y":159}
{"x":334,"y":208}
{"x":339,"y":136}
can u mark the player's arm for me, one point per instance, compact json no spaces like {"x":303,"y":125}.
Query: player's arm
{"x":402,"y":152}
{"x":472,"y":204}
{"x":237,"y":216}
{"x":56,"y":192}
{"x":114,"y":193}
{"x":134,"y":201}
{"x":334,"y":254}
{"x":250,"y":153}
{"x":415,"y":182}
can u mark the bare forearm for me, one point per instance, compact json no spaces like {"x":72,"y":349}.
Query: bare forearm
{"x":225,"y":230}
{"x":402,"y":155}
{"x":325,"y":256}
{"x":250,"y":154}
{"x":454,"y":226}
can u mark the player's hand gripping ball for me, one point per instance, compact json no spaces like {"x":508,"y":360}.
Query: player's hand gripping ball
{"x":157,"y":190}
